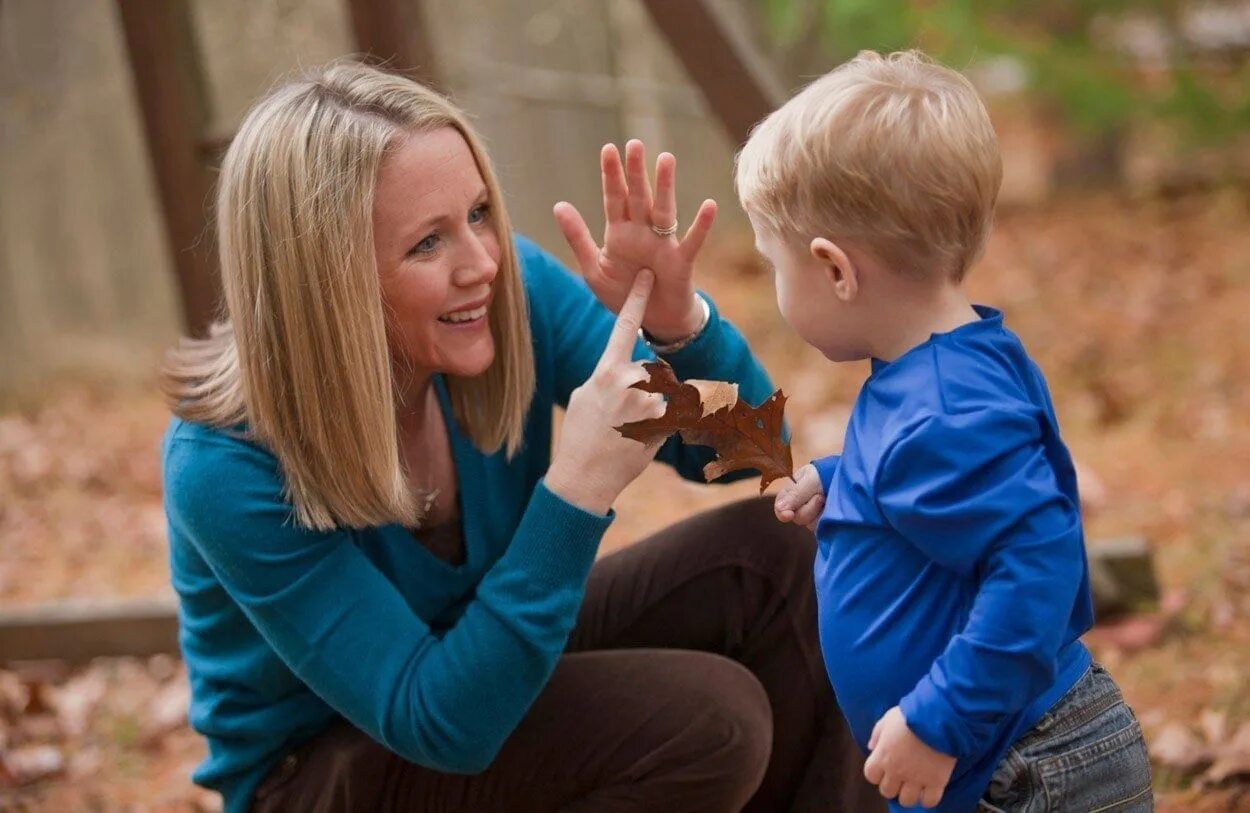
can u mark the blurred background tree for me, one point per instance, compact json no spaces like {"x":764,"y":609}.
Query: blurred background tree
{"x":1104,"y":65}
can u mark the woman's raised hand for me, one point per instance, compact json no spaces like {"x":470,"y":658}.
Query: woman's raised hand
{"x":593,"y":463}
{"x":630,"y":242}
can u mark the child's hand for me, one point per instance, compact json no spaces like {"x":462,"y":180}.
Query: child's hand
{"x":630,"y":243}
{"x":802,"y":501}
{"x":903,"y":767}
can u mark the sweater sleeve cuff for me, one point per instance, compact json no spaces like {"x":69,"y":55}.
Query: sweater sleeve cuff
{"x":556,"y":540}
{"x":931,"y":718}
{"x":826,"y":467}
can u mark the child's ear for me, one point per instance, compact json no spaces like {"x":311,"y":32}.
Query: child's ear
{"x":838,"y":266}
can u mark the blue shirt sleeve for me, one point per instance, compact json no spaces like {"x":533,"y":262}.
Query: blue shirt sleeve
{"x":974,"y":491}
{"x":826,"y":467}
{"x":447,"y":702}
{"x":579,"y":326}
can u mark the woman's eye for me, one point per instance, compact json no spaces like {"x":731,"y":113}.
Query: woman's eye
{"x":479,"y":213}
{"x":426,"y":245}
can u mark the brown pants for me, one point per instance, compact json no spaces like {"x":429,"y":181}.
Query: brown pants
{"x":692,"y":682}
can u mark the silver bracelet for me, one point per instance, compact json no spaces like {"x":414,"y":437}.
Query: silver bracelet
{"x":673,"y":347}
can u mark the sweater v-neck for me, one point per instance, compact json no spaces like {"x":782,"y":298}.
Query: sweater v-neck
{"x":465,"y":461}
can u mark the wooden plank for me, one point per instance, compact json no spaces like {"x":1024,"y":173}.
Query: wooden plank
{"x":394,"y":32}
{"x":1122,"y":578}
{"x":77,"y":631}
{"x":165,"y":65}
{"x":734,"y":76}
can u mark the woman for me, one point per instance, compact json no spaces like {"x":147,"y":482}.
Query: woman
{"x":387,"y":579}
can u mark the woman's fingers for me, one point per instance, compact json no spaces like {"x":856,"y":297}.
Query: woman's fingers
{"x":615,"y":190}
{"x":698,"y":231}
{"x":625,"y":332}
{"x":664,"y":212}
{"x":651,"y":407}
{"x":577,"y":235}
{"x":639,"y":184}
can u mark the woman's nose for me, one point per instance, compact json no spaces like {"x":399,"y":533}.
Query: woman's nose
{"x":478,"y":266}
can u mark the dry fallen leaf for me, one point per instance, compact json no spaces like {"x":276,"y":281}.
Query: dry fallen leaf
{"x":32,"y":763}
{"x":1214,"y":726}
{"x":709,"y":413}
{"x":167,"y":712}
{"x":76,"y":701}
{"x":715,"y":395}
{"x":1176,"y":747}
{"x":1232,"y":759}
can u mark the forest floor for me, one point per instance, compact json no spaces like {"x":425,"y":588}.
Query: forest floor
{"x":1137,"y":312}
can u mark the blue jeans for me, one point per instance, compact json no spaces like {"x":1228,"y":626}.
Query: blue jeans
{"x":1085,"y":755}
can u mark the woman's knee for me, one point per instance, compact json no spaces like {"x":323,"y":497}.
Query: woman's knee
{"x":729,"y":732}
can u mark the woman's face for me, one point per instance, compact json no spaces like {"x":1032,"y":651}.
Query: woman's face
{"x":438,"y":254}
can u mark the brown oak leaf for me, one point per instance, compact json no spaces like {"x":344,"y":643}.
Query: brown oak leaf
{"x":709,"y":413}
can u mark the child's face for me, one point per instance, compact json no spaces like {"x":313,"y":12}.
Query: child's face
{"x":808,"y":297}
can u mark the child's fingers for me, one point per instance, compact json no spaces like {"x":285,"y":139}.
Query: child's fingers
{"x":909,"y":794}
{"x":931,"y":797}
{"x":876,"y":734}
{"x":810,"y":510}
{"x":873,"y":771}
{"x":783,"y":506}
{"x":787,"y":495}
{"x":889,"y":786}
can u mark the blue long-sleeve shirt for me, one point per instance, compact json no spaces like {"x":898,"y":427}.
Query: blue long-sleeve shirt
{"x":951,"y":572}
{"x":284,"y":629}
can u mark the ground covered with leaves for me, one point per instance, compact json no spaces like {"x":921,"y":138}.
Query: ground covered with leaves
{"x":1136,"y":311}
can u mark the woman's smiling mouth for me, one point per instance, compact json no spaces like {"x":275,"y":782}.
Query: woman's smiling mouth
{"x":466,"y":316}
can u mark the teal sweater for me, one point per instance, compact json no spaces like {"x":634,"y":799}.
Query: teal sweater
{"x":285,"y":630}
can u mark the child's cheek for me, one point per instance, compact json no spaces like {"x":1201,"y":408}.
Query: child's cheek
{"x":790,"y":303}
{"x":783,"y":301}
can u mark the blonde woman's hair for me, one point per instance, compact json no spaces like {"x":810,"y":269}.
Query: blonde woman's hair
{"x":895,"y":152}
{"x":303,"y":358}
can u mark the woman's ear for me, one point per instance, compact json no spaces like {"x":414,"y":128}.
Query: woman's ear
{"x":838,"y":266}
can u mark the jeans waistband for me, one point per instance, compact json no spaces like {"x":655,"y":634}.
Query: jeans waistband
{"x":1090,"y":696}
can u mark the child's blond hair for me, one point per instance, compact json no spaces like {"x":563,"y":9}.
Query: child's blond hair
{"x":896,"y":153}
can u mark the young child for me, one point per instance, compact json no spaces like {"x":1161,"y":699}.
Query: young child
{"x":951,"y":572}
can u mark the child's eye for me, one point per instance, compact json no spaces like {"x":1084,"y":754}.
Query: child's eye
{"x":479,"y":213}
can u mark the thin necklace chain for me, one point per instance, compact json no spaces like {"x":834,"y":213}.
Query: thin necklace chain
{"x":427,"y":497}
